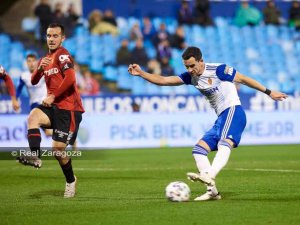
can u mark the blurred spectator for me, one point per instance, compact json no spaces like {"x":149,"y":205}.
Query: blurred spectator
{"x":161,"y":34}
{"x":247,"y":15}
{"x":91,"y":84}
{"x":79,"y":78}
{"x":94,"y":18}
{"x":109,"y":17}
{"x":164,"y":50}
{"x":72,"y":15}
{"x":135,"y":32}
{"x":153,"y":66}
{"x":178,"y":39}
{"x":148,"y":29}
{"x":59,"y":17}
{"x":44,"y":13}
{"x":139,"y":54}
{"x":166,"y":69}
{"x":123,"y":54}
{"x":202,"y":13}
{"x":294,"y":15}
{"x":271,"y":13}
{"x":135,"y":107}
{"x":98,"y":26}
{"x":185,"y":13}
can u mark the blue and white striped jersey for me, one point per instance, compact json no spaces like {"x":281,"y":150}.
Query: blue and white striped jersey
{"x":216,"y":84}
{"x":37,"y":93}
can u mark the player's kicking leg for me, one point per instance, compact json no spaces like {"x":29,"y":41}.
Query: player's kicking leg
{"x":200,"y":153}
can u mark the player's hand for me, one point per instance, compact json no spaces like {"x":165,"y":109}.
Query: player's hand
{"x":278,"y":96}
{"x":47,"y":102}
{"x":15,"y":104}
{"x":134,"y":69}
{"x":44,"y":63}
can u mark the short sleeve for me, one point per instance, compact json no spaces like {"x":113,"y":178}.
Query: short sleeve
{"x":64,"y":60}
{"x":186,"y":78}
{"x":225,"y":73}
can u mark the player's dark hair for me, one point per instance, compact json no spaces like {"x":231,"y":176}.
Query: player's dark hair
{"x":192,"y":52}
{"x":54,"y":25}
{"x":31,"y":55}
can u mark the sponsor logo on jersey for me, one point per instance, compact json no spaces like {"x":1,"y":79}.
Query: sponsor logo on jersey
{"x":51,"y":71}
{"x":63,"y":58}
{"x":228,"y":70}
{"x":210,"y":91}
{"x":60,"y":133}
{"x":210,"y":81}
{"x":66,"y":67}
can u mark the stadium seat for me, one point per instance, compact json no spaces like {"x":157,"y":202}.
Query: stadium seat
{"x":124,"y":79}
{"x":138,"y":86}
{"x":96,"y":65}
{"x":70,"y":44}
{"x":152,"y":89}
{"x":110,"y":73}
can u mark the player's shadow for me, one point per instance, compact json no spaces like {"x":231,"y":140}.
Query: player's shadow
{"x":51,"y":193}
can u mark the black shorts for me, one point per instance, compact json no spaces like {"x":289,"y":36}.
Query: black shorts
{"x":65,"y":123}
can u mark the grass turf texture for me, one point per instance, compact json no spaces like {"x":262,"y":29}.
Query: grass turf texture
{"x":260,"y":185}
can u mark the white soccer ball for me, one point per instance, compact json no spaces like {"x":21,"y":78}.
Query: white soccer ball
{"x":178,"y":191}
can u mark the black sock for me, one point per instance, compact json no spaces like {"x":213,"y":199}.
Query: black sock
{"x":34,"y":140}
{"x":68,"y":171}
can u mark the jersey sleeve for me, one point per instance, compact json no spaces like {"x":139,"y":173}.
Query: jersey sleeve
{"x":64,"y":60}
{"x":225,"y":73}
{"x":20,"y":87}
{"x":186,"y":78}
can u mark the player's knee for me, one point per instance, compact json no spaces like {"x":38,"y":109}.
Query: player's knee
{"x":32,"y":120}
{"x":200,"y":149}
{"x":59,"y":153}
{"x":226,"y":142}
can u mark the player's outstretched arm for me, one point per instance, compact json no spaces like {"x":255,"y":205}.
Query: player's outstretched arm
{"x":135,"y":69}
{"x":275,"y":95}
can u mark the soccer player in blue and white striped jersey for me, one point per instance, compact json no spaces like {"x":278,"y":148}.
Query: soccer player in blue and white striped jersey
{"x":216,"y":82}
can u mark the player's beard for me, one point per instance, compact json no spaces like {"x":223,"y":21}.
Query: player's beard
{"x":54,"y":49}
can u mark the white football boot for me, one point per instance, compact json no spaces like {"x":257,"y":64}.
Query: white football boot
{"x":202,"y":177}
{"x":212,"y":192}
{"x":70,"y":189}
{"x":208,"y":196}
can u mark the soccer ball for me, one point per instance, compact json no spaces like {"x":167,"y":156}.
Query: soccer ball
{"x":178,"y":191}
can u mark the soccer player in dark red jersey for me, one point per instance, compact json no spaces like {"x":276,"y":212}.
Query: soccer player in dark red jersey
{"x":10,"y":87}
{"x":61,"y":110}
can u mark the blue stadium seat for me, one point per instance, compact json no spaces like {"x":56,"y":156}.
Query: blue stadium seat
{"x":82,"y":56}
{"x":96,"y":65}
{"x":167,"y":90}
{"x":138,"y":86}
{"x":152,"y":89}
{"x":124,"y":79}
{"x":110,"y":73}
{"x":182,"y":89}
{"x":192,"y":90}
{"x":70,"y":44}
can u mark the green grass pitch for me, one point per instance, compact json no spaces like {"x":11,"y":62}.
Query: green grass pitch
{"x":260,"y":185}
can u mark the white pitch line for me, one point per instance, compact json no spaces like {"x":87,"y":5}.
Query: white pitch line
{"x":264,"y":170}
